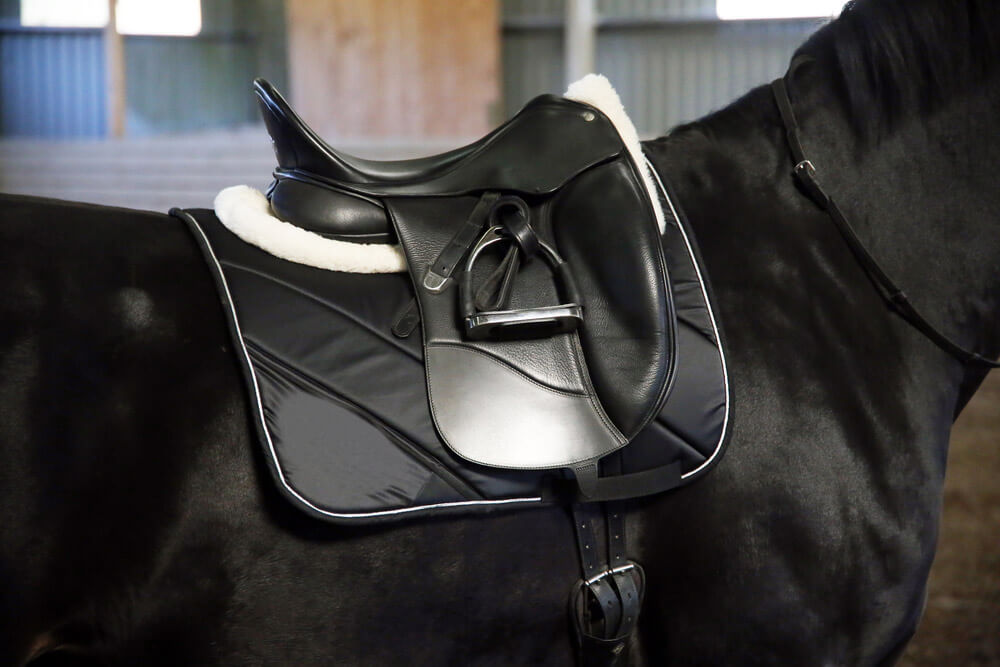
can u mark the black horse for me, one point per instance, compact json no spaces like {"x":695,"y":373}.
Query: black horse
{"x":141,"y":527}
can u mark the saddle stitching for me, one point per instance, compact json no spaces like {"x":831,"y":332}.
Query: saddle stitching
{"x":501,"y":362}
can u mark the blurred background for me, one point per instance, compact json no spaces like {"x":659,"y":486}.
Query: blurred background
{"x":117,"y":112}
{"x":147,"y":104}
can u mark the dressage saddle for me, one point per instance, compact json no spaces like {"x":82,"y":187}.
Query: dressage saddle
{"x":541,"y":285}
{"x":537,"y":351}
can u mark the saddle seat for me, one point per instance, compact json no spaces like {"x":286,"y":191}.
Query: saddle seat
{"x":302,"y":148}
{"x":331,"y":193}
{"x":573,"y":181}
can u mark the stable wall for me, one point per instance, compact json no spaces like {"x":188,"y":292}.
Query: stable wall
{"x":52,"y":81}
{"x":670,"y":60}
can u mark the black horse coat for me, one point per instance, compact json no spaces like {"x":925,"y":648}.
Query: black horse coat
{"x":139,"y":525}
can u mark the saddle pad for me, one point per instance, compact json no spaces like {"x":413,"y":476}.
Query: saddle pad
{"x":341,"y":406}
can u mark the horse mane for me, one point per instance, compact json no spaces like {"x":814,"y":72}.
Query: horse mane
{"x":894,"y":56}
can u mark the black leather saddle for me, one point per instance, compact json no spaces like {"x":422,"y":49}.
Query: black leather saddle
{"x":536,"y":262}
{"x":554,"y":359}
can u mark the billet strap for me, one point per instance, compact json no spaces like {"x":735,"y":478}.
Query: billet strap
{"x":494,"y":293}
{"x":605,"y":603}
{"x":805,"y":175}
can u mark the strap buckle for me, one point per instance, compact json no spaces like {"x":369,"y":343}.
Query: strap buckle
{"x":805,"y":166}
{"x":435,"y":282}
{"x":609,"y":573}
{"x":439,"y":275}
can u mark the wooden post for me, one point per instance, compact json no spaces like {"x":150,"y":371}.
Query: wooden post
{"x":395,"y":69}
{"x":579,"y":37}
{"x":114,"y":70}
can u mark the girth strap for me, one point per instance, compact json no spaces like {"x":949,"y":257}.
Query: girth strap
{"x":805,"y":174}
{"x":606,"y":602}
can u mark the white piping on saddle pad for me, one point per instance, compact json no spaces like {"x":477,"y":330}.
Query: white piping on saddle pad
{"x":247,"y":213}
{"x":597,"y":91}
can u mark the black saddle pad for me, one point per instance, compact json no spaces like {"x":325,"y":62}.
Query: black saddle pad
{"x":341,"y":404}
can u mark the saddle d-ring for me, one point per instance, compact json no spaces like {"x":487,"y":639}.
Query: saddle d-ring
{"x":536,"y":322}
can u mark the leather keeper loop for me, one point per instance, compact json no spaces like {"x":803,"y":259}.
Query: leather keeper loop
{"x":512,"y":214}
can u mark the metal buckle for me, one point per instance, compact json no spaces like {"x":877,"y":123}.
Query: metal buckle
{"x":805,"y":165}
{"x":607,"y":573}
{"x":434,"y":282}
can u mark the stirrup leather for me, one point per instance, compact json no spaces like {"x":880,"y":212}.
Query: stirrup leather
{"x":497,"y":322}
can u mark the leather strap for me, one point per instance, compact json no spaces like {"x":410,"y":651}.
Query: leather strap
{"x":605,"y":608}
{"x":494,"y":293}
{"x":805,"y":175}
{"x":438,"y":277}
{"x":606,"y":602}
{"x":406,"y":320}
{"x":513,"y":215}
{"x":629,"y":592}
{"x":592,"y":487}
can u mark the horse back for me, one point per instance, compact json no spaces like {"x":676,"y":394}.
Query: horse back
{"x":113,"y":362}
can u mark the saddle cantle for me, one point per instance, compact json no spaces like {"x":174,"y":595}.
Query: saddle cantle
{"x":552,"y":397}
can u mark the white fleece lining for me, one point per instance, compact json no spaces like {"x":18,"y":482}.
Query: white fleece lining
{"x":597,"y":91}
{"x":247,"y":213}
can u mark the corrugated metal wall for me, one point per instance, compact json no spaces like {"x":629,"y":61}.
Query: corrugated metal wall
{"x":670,"y":60}
{"x":37,"y":99}
{"x":206,"y":85}
{"x":52,"y":81}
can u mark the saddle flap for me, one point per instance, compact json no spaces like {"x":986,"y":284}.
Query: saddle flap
{"x":575,"y":356}
{"x":492,"y":413}
{"x":567,"y":395}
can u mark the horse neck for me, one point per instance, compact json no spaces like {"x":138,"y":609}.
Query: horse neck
{"x":922,"y":199}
